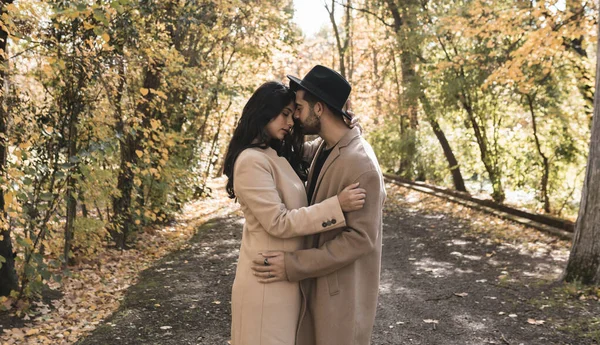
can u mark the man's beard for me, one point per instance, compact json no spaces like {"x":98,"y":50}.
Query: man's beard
{"x":312,"y":125}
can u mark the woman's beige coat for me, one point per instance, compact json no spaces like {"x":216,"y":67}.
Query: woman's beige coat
{"x":273,"y":200}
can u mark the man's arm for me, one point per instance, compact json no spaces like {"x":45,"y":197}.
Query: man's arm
{"x":359,"y":238}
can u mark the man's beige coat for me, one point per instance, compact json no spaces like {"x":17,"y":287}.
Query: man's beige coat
{"x":340,"y":302}
{"x":273,"y":200}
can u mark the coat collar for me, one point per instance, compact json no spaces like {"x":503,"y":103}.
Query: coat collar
{"x":335,"y":153}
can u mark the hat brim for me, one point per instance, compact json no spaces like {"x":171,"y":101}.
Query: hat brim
{"x":296,"y":83}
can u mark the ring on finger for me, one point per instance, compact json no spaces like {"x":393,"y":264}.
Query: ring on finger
{"x":266,"y":262}
{"x":270,"y":275}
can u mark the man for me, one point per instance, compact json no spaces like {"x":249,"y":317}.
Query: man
{"x":339,"y":269}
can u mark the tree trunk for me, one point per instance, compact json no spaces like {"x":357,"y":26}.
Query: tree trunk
{"x":545,"y":162}
{"x":71,"y":185}
{"x":453,"y":166}
{"x":584,"y":260}
{"x":409,"y":94}
{"x":212,"y":160}
{"x":8,"y":275}
{"x":74,"y":100}
{"x":342,"y":45}
{"x":490,"y":166}
{"x":122,"y":203}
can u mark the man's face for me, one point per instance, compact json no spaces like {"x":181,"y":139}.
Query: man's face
{"x":310,"y":122}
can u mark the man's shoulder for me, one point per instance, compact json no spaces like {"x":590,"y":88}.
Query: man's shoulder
{"x":360,"y":154}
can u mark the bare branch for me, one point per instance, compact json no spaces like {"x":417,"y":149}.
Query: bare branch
{"x":364,"y":10}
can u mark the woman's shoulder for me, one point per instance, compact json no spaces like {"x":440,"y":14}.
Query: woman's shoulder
{"x":253,"y":156}
{"x":253,"y":153}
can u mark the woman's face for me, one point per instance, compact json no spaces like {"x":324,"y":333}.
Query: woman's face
{"x":281,"y":125}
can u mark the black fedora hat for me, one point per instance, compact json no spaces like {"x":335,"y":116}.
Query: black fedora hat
{"x":327,"y":85}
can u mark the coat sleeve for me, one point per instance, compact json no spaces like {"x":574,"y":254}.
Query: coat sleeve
{"x":254,"y":185}
{"x":309,"y":149}
{"x":360,"y":237}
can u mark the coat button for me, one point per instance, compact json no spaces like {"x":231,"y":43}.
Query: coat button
{"x":333,"y":221}
{"x":324,"y":224}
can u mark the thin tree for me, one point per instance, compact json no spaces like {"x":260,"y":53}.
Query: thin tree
{"x":342,"y":44}
{"x":8,"y":275}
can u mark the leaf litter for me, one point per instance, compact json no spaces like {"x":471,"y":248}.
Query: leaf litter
{"x":95,"y":288}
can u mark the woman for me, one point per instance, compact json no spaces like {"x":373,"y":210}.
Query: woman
{"x":264,"y":165}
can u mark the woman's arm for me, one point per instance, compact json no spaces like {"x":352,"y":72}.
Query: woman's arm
{"x":254,"y":185}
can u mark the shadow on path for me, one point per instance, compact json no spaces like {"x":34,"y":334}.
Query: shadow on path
{"x":438,"y":286}
{"x":184,"y":298}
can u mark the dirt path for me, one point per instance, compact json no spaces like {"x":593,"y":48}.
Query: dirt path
{"x":441,"y":284}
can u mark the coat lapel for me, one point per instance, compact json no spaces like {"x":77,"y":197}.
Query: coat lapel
{"x":335,"y":153}
{"x":311,"y":169}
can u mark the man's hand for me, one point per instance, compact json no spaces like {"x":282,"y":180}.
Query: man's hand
{"x":269,"y":267}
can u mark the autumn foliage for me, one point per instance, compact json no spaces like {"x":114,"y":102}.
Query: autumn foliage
{"x":115,"y":113}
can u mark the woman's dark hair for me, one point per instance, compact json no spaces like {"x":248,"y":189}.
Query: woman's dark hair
{"x":265,"y":104}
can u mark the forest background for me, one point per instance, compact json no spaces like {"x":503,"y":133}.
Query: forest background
{"x":114,"y":114}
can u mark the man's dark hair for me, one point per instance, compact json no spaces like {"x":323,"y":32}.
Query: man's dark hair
{"x":312,"y":100}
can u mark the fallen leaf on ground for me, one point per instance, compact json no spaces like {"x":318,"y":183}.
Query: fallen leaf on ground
{"x":535,"y":322}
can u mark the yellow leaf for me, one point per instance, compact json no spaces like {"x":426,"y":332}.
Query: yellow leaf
{"x":32,"y":331}
{"x":155,"y":124}
{"x":144,"y":91}
{"x":106,"y":37}
{"x":161,"y":94}
{"x":8,"y":199}
{"x":139,"y":153}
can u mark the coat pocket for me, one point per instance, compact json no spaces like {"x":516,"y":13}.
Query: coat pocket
{"x":332,"y":282}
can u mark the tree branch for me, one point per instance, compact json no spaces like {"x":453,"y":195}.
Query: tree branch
{"x":364,"y":10}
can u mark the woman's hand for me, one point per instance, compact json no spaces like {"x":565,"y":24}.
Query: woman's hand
{"x":354,"y":122}
{"x":269,"y":267}
{"x":352,"y":198}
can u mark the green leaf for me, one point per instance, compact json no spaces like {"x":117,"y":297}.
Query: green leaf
{"x":24,"y":242}
{"x":46,"y":196}
{"x":100,"y":16}
{"x":45,"y":274}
